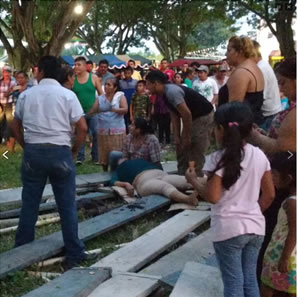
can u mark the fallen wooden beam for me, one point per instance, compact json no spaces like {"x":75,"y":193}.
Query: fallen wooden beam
{"x":56,"y":260}
{"x":48,"y":246}
{"x":142,"y":250}
{"x":13,"y":196}
{"x":38,"y":224}
{"x":97,"y":196}
{"x":127,"y":285}
{"x":169,"y":267}
{"x":77,"y":282}
{"x":198,"y":280}
{"x":13,"y":222}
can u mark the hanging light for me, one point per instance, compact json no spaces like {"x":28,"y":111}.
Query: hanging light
{"x":78,"y":9}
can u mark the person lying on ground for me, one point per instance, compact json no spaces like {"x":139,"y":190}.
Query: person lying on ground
{"x":147,"y":179}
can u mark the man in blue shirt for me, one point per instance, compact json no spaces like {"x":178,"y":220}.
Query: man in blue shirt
{"x":128,"y":86}
{"x":103,"y":73}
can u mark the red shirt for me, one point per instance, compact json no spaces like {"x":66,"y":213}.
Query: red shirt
{"x":170,"y":73}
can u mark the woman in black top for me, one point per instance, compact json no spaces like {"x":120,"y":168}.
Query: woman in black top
{"x":246,"y":83}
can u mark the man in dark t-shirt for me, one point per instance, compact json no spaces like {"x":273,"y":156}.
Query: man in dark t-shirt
{"x":196,"y":113}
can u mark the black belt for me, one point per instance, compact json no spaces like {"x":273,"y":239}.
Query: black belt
{"x":47,"y":144}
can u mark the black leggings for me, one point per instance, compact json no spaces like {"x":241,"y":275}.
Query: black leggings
{"x":163,"y":123}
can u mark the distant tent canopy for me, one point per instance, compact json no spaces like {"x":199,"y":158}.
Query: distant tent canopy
{"x":119,"y":61}
{"x":69,"y":60}
{"x":114,"y":62}
{"x":143,"y":61}
{"x":181,"y":62}
{"x":124,"y":58}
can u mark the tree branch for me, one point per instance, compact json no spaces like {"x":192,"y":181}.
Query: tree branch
{"x":5,"y":42}
{"x":267,"y":19}
{"x":2,"y":23}
{"x":59,"y":37}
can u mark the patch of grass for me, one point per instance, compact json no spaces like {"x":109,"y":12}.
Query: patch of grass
{"x":18,"y":284}
{"x":10,"y":170}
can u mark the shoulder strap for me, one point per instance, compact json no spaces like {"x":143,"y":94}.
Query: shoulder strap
{"x":252,"y":75}
{"x":287,"y":199}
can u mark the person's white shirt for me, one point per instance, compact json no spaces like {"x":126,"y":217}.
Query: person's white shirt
{"x":47,"y":112}
{"x":207,"y":88}
{"x":271,"y":104}
{"x":219,"y":85}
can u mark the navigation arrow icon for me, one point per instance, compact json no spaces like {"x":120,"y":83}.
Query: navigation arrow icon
{"x":4,"y":155}
{"x":291,"y":155}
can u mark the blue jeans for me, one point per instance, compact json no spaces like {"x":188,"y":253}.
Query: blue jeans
{"x":114,"y":157}
{"x":237,"y":258}
{"x":92,"y":123}
{"x":42,"y":161}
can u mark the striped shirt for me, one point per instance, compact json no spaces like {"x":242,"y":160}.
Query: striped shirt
{"x":4,"y":88}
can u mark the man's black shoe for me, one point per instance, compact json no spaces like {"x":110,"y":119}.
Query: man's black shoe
{"x":89,"y":256}
{"x":72,"y":264}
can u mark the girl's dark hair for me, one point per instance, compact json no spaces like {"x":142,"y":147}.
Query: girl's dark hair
{"x":66,"y":71}
{"x":143,"y":125}
{"x":157,"y":76}
{"x":287,"y":68}
{"x":236,"y":118}
{"x":285,"y":164}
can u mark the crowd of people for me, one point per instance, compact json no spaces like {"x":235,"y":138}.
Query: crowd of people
{"x":250,"y":179}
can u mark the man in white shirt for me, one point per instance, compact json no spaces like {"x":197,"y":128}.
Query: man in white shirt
{"x":45,"y":113}
{"x":271,"y":104}
{"x":220,"y":76}
{"x":206,"y":86}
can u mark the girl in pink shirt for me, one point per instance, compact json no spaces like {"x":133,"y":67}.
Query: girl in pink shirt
{"x":236,"y":173}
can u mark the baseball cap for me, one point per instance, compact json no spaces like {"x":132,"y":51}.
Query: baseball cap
{"x":203,"y":68}
{"x":223,"y":68}
{"x":7,"y":68}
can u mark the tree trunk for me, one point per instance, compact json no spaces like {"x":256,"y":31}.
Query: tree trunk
{"x":284,"y":33}
{"x":22,"y":28}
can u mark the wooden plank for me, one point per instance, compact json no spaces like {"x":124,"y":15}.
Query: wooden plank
{"x":169,"y":267}
{"x":95,"y":178}
{"x":126,"y":285}
{"x":45,"y":247}
{"x":13,"y":196}
{"x":77,"y":282}
{"x":170,"y":167}
{"x":198,"y":280}
{"x":142,"y":250}
{"x":52,"y":205}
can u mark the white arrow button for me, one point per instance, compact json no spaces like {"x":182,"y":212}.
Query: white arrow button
{"x":291,"y":155}
{"x":4,"y":155}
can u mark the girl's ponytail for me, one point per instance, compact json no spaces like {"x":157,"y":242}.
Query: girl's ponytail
{"x":236,"y":119}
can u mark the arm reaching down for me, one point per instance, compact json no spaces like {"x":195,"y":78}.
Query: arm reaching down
{"x":82,"y":129}
{"x":127,"y":186}
{"x":268,"y":192}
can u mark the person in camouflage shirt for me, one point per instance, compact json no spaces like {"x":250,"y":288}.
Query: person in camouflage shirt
{"x":140,"y":106}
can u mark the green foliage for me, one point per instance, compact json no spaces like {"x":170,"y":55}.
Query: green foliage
{"x":116,"y":24}
{"x":210,"y":34}
{"x":277,"y":15}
